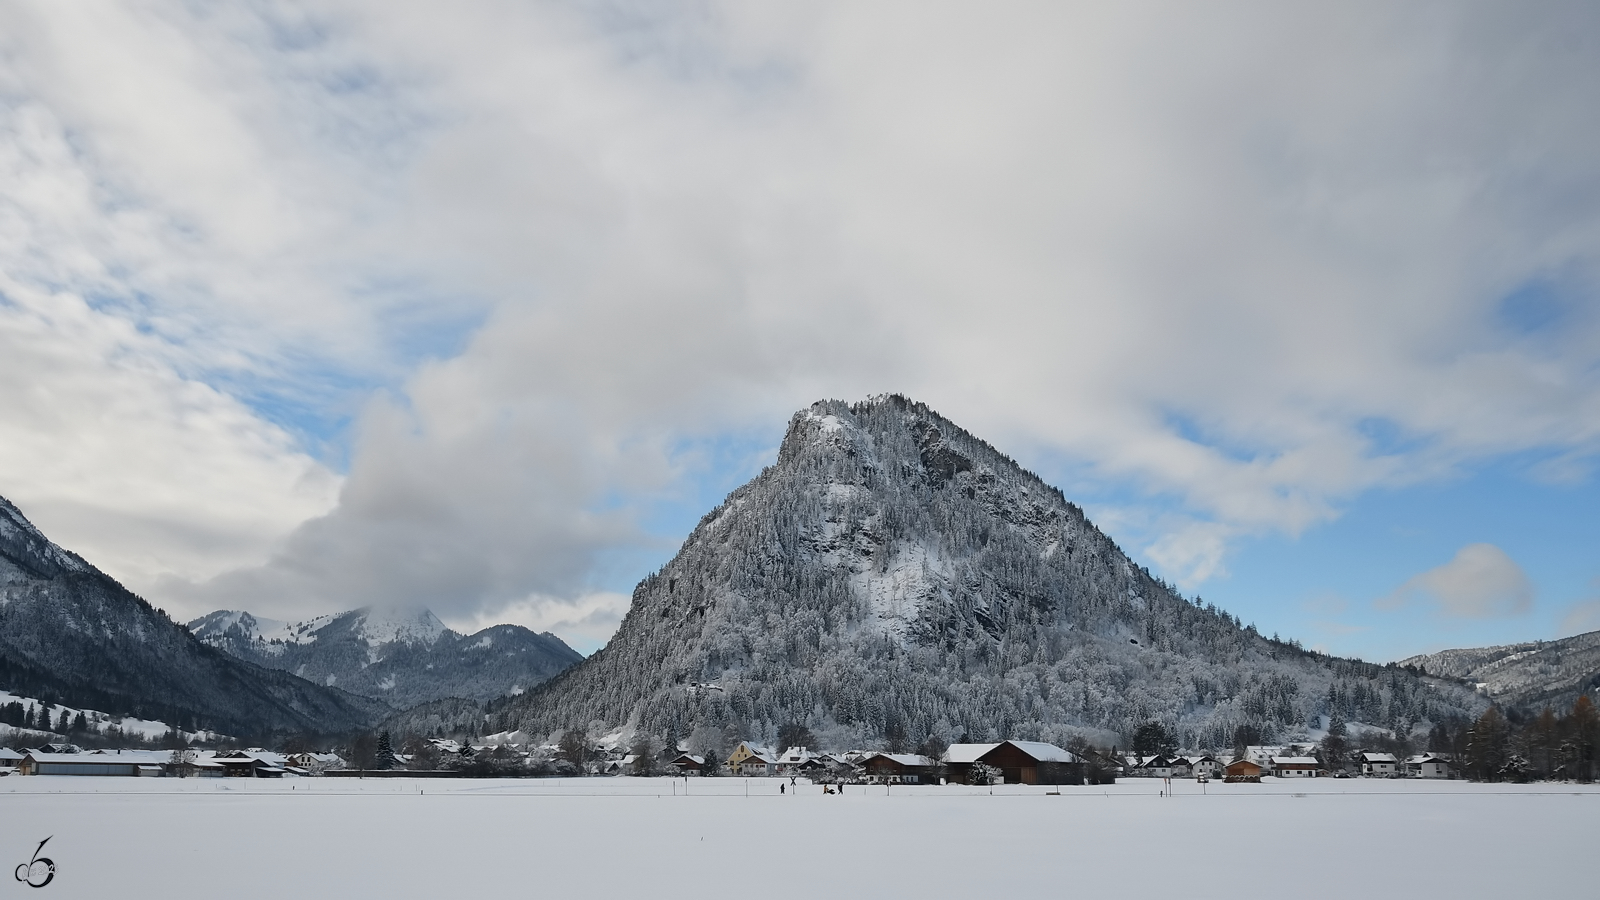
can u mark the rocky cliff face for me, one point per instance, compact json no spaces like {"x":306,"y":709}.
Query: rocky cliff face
{"x":894,"y":577}
{"x":71,"y":634}
{"x":400,"y":657}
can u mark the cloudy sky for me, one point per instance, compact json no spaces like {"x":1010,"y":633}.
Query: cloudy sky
{"x":482,"y":305}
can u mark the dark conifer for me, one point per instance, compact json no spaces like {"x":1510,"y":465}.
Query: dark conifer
{"x":383,"y":757}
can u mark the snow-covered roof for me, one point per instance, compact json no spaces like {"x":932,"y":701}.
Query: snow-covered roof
{"x":138,"y":756}
{"x":905,"y":759}
{"x":1379,"y":757}
{"x":8,"y":753}
{"x":84,"y":758}
{"x":697,"y":760}
{"x":966,"y":753}
{"x":1295,"y":761}
{"x":1424,"y":758}
{"x":1044,"y":752}
{"x":1039,"y":750}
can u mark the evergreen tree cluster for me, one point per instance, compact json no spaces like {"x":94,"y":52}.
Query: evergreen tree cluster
{"x":1543,"y":746}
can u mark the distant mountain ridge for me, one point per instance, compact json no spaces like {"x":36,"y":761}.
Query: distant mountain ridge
{"x":893,"y":577}
{"x":72,"y":634}
{"x":402,"y":657}
{"x":1532,"y":674}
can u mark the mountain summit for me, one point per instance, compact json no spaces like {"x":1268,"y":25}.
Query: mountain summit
{"x":895,"y":577}
{"x":402,"y":657}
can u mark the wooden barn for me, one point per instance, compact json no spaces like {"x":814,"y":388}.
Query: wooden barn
{"x":1242,"y":770}
{"x":1019,"y":762}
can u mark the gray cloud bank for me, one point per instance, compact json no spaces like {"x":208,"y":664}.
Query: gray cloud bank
{"x":1256,"y":259}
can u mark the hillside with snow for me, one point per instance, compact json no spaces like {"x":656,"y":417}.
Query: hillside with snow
{"x":892,"y":577}
{"x":72,"y":635}
{"x":1533,"y":674}
{"x":402,"y":657}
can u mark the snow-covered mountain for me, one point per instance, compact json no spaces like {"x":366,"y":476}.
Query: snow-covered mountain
{"x":1532,"y":674}
{"x":894,"y":577}
{"x":403,"y":657}
{"x":74,"y":636}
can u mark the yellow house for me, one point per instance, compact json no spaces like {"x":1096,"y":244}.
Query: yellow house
{"x":752,"y":759}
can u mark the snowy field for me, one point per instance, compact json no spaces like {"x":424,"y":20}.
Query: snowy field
{"x":636,"y":838}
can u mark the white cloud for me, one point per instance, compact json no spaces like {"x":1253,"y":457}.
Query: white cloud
{"x":1480,"y":582}
{"x":1583,"y":616}
{"x":1194,"y":551}
{"x":1197,"y":250}
{"x":112,"y":453}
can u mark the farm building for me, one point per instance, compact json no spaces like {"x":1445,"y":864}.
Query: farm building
{"x":102,"y":764}
{"x":1020,"y":762}
{"x":1243,"y":770}
{"x":901,"y":768}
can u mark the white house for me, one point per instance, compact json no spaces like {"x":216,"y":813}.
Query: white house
{"x":1295,"y":766}
{"x":1427,"y":766}
{"x":1380,"y":765}
{"x":1151,"y":767}
{"x":1207,"y":767}
{"x":794,"y":760}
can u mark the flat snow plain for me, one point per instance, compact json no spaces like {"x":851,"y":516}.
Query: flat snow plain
{"x":644,"y":837}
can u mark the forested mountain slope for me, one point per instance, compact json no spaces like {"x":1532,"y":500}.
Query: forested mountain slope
{"x":401,"y":657}
{"x":1531,"y":675}
{"x":73,"y":635}
{"x":892,"y":576}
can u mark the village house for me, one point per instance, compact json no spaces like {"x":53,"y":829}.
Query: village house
{"x":1380,"y":765}
{"x":687,"y":764}
{"x":900,"y":768}
{"x":1295,"y":766}
{"x":315,"y":763}
{"x":1427,"y":766}
{"x":1242,"y":770}
{"x":752,"y":759}
{"x":1157,"y":766}
{"x":9,"y":758}
{"x":794,"y":761}
{"x":1207,"y":767}
{"x":1020,"y":762}
{"x":252,"y":763}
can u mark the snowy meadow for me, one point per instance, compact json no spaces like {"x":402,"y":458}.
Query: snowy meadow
{"x":707,"y":838}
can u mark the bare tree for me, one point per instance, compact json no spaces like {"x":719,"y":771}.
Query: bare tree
{"x":574,"y":747}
